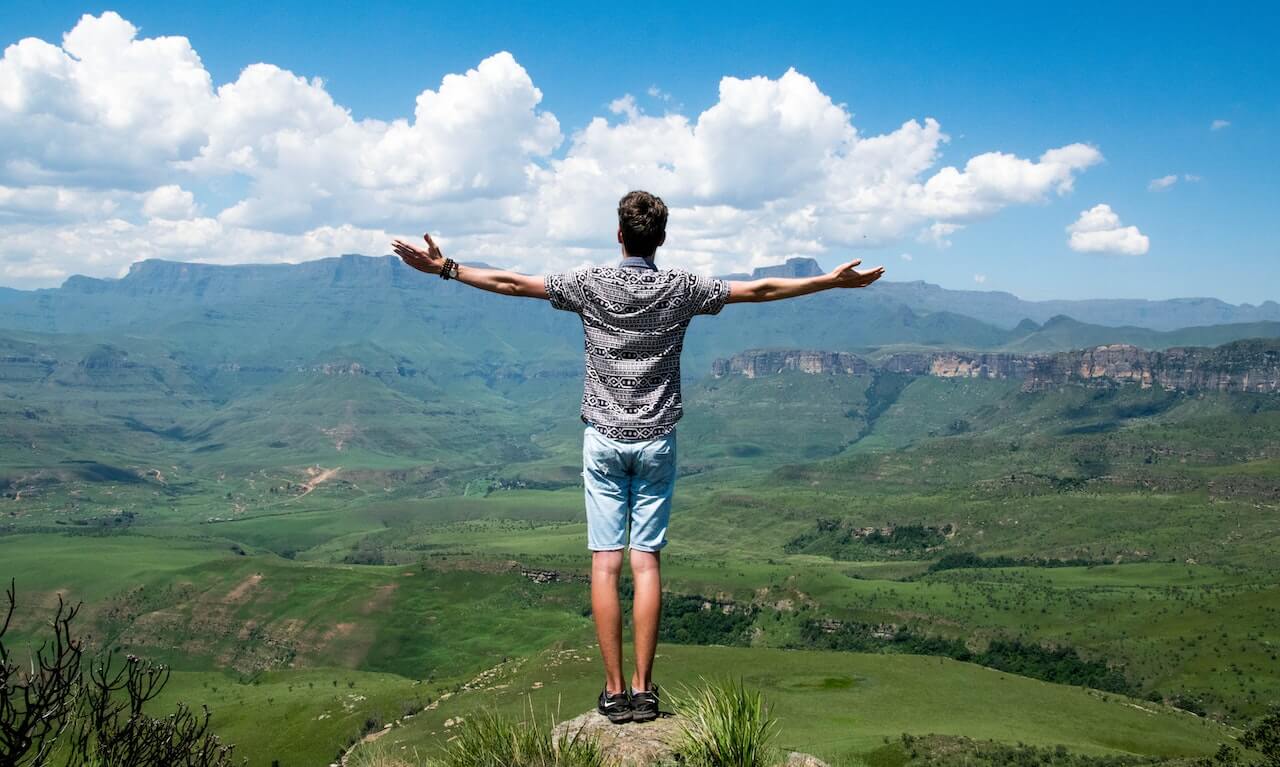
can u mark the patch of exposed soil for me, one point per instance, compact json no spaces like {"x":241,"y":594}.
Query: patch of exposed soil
{"x":317,"y":476}
{"x":240,"y":593}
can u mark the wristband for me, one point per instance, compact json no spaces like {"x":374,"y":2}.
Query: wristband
{"x":449,"y":270}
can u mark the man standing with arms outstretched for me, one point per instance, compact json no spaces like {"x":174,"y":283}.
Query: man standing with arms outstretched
{"x":634,"y":317}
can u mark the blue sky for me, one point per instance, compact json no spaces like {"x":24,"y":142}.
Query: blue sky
{"x":1142,"y":86}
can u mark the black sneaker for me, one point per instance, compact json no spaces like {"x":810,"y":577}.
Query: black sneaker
{"x":616,"y":706}
{"x":644,"y":705}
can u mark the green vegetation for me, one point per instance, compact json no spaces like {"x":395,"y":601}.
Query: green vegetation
{"x":965,"y":560}
{"x":490,"y":739}
{"x":725,"y":725}
{"x":60,"y":706}
{"x":840,"y":706}
{"x":691,"y":619}
{"x":941,"y":751}
{"x":836,"y":539}
{"x":1262,"y":740}
{"x":356,"y":521}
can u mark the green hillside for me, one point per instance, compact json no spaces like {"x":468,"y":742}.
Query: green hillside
{"x":844,"y":706}
{"x":337,"y":523}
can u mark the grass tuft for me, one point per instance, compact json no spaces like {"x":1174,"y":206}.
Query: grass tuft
{"x":490,"y":739}
{"x":725,"y":725}
{"x":381,"y":755}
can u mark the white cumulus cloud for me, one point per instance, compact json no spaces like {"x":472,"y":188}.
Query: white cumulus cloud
{"x":110,"y":145}
{"x":169,"y":201}
{"x":1098,"y":230}
{"x":104,"y":109}
{"x":1219,"y":124}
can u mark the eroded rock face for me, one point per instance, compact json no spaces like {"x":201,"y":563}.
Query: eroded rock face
{"x":1246,"y":366}
{"x":1251,"y":366}
{"x":959,"y":364}
{"x":647,"y":744}
{"x":764,"y":363}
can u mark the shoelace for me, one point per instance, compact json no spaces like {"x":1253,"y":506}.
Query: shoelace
{"x":614,"y":700}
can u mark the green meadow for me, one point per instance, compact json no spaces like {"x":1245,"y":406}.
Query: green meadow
{"x":318,"y":553}
{"x":844,"y":706}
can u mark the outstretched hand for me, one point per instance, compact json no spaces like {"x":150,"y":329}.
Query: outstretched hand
{"x":847,"y":275}
{"x":429,"y":260}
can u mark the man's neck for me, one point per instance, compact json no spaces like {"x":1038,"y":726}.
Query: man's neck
{"x":636,"y":262}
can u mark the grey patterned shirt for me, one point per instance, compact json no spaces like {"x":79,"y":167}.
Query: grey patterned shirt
{"x":633,"y":318}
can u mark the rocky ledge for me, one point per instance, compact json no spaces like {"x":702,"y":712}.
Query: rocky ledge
{"x":648,"y":744}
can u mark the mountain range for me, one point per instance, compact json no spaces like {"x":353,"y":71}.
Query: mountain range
{"x":1007,"y":310}
{"x":362,"y":309}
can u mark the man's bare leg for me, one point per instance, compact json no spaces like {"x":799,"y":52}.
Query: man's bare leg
{"x":606,"y":566}
{"x":647,"y":573}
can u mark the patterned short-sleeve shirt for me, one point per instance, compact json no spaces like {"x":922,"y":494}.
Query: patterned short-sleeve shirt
{"x":634,"y":317}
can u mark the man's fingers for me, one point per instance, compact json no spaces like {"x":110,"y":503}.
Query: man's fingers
{"x":405,"y":250}
{"x":854,"y":263}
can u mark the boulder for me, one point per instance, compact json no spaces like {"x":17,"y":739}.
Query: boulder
{"x":628,"y":745}
{"x":646,"y":744}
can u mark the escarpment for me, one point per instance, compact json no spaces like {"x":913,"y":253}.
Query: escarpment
{"x":1243,"y":366}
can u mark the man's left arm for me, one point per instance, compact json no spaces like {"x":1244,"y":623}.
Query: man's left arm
{"x":431,"y":261}
{"x":778,"y":288}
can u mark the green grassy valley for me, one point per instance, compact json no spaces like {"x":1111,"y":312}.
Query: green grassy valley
{"x":328,"y":518}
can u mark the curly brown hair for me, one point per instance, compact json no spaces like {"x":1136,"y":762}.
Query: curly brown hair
{"x":642,"y":219}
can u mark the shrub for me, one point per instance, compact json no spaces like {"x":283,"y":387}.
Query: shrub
{"x":60,"y":707}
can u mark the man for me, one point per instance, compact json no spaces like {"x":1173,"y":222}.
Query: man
{"x":634,"y":317}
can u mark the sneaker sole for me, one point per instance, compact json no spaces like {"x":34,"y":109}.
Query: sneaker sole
{"x":645,"y":716}
{"x":619,"y":718}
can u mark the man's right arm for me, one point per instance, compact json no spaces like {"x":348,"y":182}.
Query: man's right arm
{"x":777,"y":288}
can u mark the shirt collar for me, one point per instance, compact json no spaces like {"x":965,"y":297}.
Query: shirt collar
{"x":635,"y":262}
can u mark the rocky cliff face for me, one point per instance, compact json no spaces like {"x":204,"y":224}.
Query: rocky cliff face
{"x":762,"y":363}
{"x":960,"y":364}
{"x":1252,"y":366}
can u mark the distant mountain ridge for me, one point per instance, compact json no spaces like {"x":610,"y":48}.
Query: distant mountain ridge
{"x":1007,"y":310}
{"x":994,"y":307}
{"x":376,"y":310}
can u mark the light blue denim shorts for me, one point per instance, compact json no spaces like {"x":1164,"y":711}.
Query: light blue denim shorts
{"x":628,"y":488}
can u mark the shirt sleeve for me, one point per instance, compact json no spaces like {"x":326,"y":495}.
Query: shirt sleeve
{"x":564,"y":290}
{"x":707,"y":295}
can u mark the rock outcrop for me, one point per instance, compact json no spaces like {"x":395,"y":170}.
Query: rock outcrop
{"x":627,"y":745}
{"x":649,"y":743}
{"x":763,"y":363}
{"x":1244,"y":366}
{"x":1252,"y":366}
